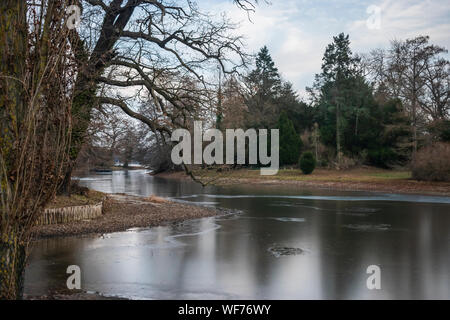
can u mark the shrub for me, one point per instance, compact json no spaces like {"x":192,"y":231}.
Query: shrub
{"x":307,"y":162}
{"x":432,"y":163}
{"x":323,"y":163}
{"x":440,"y":130}
{"x":382,"y":157}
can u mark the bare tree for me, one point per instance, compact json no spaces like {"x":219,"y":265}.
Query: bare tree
{"x":108,"y":128}
{"x":36,"y":72}
{"x":233,"y":104}
{"x":133,"y":46}
{"x":436,"y":102}
{"x":414,"y":71}
{"x":415,"y":55}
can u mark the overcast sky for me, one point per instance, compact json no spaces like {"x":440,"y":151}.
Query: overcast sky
{"x":297,"y":31}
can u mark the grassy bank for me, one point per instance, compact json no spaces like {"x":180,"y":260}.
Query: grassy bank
{"x":357,"y":179}
{"x":88,"y":198}
{"x":352,"y":175}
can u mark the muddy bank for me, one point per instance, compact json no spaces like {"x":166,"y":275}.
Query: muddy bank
{"x":354,"y":180}
{"x":122,"y":212}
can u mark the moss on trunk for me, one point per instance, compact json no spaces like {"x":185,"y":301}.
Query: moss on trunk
{"x":13,"y":111}
{"x":12,"y":267}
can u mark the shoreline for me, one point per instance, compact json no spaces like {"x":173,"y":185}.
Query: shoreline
{"x":69,"y":295}
{"x":338,"y":181}
{"x":122,"y":212}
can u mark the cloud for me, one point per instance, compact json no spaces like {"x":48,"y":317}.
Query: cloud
{"x":401,"y":19}
{"x":297,"y":32}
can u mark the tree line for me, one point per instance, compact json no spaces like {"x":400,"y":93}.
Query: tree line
{"x":378,"y":108}
{"x":64,"y":89}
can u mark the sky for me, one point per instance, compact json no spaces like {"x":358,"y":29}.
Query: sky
{"x":298,"y":31}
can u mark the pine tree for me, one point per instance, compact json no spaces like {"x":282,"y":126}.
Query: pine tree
{"x":339,"y":63}
{"x":300,"y":113}
{"x":290,"y":142}
{"x":263,"y":88}
{"x":337,"y":69}
{"x":336,"y":90}
{"x":266,"y":74}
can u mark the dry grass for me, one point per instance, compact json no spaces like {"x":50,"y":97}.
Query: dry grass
{"x":155,"y":199}
{"x":357,"y":179}
{"x":92,"y":197}
{"x":350,"y":175}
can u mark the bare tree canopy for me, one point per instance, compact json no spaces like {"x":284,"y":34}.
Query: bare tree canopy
{"x":414,"y":71}
{"x":154,"y":53}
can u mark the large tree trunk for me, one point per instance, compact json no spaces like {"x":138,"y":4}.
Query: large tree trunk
{"x":83,"y":103}
{"x":12,"y":267}
{"x":65,"y":187}
{"x":13,"y":44}
{"x":87,"y":83}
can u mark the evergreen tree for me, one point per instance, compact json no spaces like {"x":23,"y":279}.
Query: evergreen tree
{"x":266,"y":75}
{"x":339,"y":64}
{"x":349,"y":116}
{"x":290,"y":142}
{"x":263,"y":88}
{"x":298,"y":112}
{"x":342,"y":96}
{"x":390,"y":143}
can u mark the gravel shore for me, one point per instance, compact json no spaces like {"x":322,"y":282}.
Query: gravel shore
{"x":68,"y":295}
{"x":122,"y":212}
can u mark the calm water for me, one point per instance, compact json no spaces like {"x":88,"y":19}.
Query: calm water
{"x":286,"y":243}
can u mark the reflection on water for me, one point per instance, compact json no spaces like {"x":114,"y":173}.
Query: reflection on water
{"x":288,"y":243}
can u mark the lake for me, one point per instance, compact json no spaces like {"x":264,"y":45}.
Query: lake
{"x":283,"y":242}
